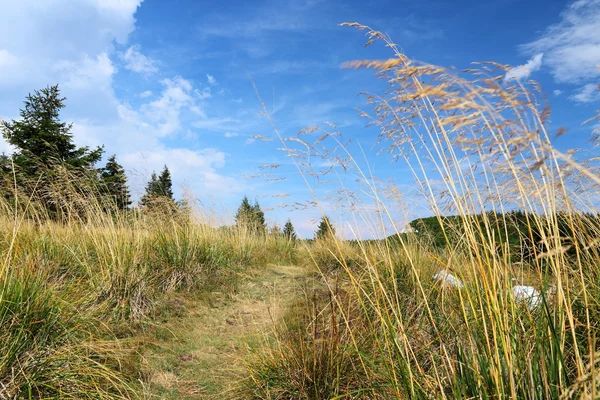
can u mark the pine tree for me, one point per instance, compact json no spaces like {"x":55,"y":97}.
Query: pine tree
{"x":42,"y":140}
{"x":114,"y":184}
{"x":325,"y":229}
{"x":288,"y":231}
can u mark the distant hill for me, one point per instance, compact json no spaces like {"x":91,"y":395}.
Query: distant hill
{"x":522,"y":232}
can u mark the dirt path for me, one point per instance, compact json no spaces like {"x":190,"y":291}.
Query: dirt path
{"x":199,"y":355}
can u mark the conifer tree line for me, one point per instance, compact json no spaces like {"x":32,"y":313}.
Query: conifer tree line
{"x":46,"y":161}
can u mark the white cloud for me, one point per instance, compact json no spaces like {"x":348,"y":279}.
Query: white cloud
{"x":587,"y":93}
{"x":216,"y":124}
{"x":162,"y":117}
{"x":137,"y":62}
{"x":557,"y":92}
{"x":572,"y":46}
{"x":86,"y":73}
{"x":70,"y":42}
{"x":211,"y":80}
{"x":522,"y":72}
{"x":231,"y":134}
{"x":196,"y":169}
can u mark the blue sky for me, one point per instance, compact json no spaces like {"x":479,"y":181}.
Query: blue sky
{"x":171,"y":82}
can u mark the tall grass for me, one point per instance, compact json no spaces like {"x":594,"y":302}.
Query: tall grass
{"x":477,"y":145}
{"x":73,"y":278}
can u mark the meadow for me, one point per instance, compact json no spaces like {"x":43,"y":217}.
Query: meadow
{"x":97,"y":305}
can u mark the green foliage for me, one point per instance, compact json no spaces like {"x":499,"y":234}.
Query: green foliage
{"x":165,"y":185}
{"x":250,"y":217}
{"x":114,"y":184}
{"x":325,"y":229}
{"x":524,"y":236}
{"x":159,"y":194}
{"x":46,"y":160}
{"x":42,"y":140}
{"x":288,"y":231}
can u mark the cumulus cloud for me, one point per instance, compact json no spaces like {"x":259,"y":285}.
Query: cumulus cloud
{"x":557,"y":92}
{"x":587,"y":93}
{"x":137,"y":62}
{"x":70,"y":42}
{"x":522,"y":72}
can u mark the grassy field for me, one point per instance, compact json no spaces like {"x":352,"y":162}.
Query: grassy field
{"x":149,"y":306}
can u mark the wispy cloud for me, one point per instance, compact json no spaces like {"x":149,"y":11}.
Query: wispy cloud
{"x":587,"y":93}
{"x":522,"y":72}
{"x":211,"y":80}
{"x":557,"y":92}
{"x":255,"y":31}
{"x":294,"y":67}
{"x":137,"y":62}
{"x":572,"y":46}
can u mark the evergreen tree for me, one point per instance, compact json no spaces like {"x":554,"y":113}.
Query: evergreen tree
{"x":325,"y":229}
{"x":165,"y":184}
{"x":243,"y":217}
{"x":288,"y":230}
{"x":114,"y":183}
{"x":47,"y":165}
{"x":42,"y":140}
{"x":159,"y":193}
{"x":258,"y":215}
{"x":250,"y":217}
{"x":151,"y":191}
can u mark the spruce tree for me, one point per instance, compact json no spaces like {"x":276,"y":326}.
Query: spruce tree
{"x":243,"y":216}
{"x":325,"y":229}
{"x":46,"y":163}
{"x":152,"y":191}
{"x":159,"y":193}
{"x":42,"y":140}
{"x":258,"y":218}
{"x":250,"y":217}
{"x":114,"y":184}
{"x":165,"y":184}
{"x":288,"y":231}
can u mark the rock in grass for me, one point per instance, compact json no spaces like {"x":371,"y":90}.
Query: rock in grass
{"x":447,"y":279}
{"x":528,"y":295}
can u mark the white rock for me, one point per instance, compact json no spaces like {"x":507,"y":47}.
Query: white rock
{"x":528,"y":295}
{"x":447,"y":279}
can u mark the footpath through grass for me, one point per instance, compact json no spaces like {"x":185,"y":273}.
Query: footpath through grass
{"x":198,"y":351}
